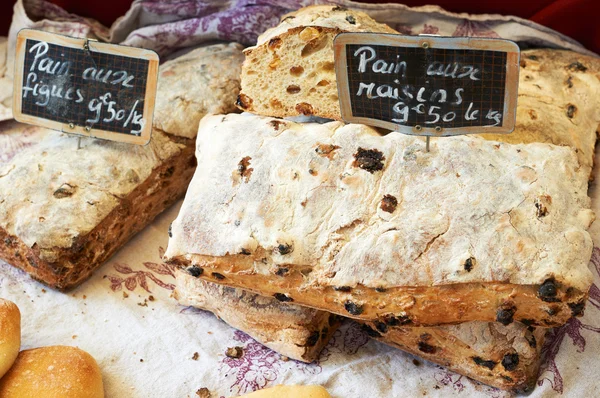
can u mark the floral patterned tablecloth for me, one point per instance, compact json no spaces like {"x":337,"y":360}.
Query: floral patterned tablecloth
{"x":148,"y":346}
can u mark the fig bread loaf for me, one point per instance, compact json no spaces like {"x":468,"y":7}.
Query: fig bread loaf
{"x":296,"y":332}
{"x":290,"y":70}
{"x":205,"y":80}
{"x":67,"y":207}
{"x":506,"y":357}
{"x":340,"y":218}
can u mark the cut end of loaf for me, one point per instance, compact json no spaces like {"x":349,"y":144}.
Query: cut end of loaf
{"x":301,"y":76}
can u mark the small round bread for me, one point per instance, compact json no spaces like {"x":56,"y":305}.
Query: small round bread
{"x":53,"y":372}
{"x":291,"y":391}
{"x":10,"y":334}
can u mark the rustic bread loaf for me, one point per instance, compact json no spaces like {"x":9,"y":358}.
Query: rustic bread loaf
{"x":290,"y":70}
{"x":205,"y":80}
{"x":339,"y":218}
{"x":296,"y":332}
{"x":506,"y":357}
{"x":65,"y":210}
{"x":52,"y":372}
{"x":10,"y":334}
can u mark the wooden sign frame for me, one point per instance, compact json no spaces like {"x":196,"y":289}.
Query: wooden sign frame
{"x":429,"y":42}
{"x":94,"y":47}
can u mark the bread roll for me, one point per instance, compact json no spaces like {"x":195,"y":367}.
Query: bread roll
{"x":293,"y":391}
{"x":53,"y":372}
{"x":10,"y":334}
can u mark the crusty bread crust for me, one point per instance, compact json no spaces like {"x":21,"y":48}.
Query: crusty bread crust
{"x":56,"y":371}
{"x":296,"y":332}
{"x":462,"y":240}
{"x":506,"y":357}
{"x":413,"y":306}
{"x":63,"y":267}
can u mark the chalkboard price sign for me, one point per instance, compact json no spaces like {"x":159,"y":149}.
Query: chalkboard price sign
{"x":427,"y":85}
{"x":85,"y":87}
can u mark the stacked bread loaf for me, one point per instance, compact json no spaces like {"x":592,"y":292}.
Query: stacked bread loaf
{"x":462,"y":255}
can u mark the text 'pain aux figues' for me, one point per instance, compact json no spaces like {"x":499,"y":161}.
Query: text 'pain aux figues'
{"x":87,"y":88}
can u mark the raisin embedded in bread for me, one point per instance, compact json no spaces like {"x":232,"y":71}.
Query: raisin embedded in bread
{"x":296,"y":332}
{"x":290,"y":71}
{"x":479,"y":230}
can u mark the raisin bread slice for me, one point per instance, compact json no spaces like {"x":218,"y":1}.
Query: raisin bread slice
{"x":339,"y":218}
{"x":296,"y":332}
{"x":290,"y":70}
{"x":64,"y":210}
{"x":506,"y":357}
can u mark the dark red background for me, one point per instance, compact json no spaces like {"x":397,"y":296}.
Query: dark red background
{"x":575,"y":18}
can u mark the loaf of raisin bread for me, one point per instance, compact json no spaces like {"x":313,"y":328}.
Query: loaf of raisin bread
{"x":296,"y":332}
{"x":506,"y":357}
{"x":67,"y":204}
{"x":290,"y":70}
{"x":340,"y":218}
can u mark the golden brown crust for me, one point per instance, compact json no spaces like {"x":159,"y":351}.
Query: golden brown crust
{"x":57,"y":371}
{"x":417,"y":306}
{"x":73,"y":265}
{"x":503,"y":357}
{"x":10,"y":334}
